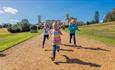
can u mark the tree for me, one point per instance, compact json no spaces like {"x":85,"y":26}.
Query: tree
{"x":22,"y":26}
{"x":87,"y":22}
{"x":25,"y":21}
{"x":80,"y":23}
{"x":5,"y":25}
{"x":110,"y":16}
{"x":33,"y":28}
{"x":92,"y":22}
{"x":97,"y":16}
{"x":0,"y":26}
{"x":25,"y":25}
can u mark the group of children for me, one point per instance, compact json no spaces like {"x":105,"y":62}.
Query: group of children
{"x":56,"y":35}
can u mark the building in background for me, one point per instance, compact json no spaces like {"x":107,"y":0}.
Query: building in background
{"x":67,"y":19}
{"x":50,"y":22}
{"x":39,"y":20}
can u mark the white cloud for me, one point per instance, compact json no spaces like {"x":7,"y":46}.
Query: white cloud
{"x":9,"y":10}
{"x":14,"y":20}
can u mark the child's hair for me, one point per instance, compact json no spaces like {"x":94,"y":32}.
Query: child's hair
{"x":72,"y":20}
{"x":54,"y":25}
{"x":46,"y":25}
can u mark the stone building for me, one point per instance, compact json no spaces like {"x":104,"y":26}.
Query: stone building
{"x":67,"y":19}
{"x":39,"y":20}
{"x":50,"y":22}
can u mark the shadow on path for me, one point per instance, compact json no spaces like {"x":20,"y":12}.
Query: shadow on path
{"x":70,"y":50}
{"x":2,"y":55}
{"x":77,"y":61}
{"x":80,"y":47}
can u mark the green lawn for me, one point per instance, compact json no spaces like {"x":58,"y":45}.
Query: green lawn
{"x":8,"y":40}
{"x":104,"y":32}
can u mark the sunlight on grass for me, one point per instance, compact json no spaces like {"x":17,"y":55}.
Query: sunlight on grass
{"x":8,"y":40}
{"x":102,"y":32}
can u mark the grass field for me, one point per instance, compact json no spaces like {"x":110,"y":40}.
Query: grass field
{"x":104,"y":32}
{"x":8,"y":40}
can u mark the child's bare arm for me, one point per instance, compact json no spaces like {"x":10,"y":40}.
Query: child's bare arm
{"x":50,"y":32}
{"x":60,"y":32}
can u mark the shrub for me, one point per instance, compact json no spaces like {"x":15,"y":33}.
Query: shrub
{"x":22,"y":26}
{"x":33,"y":28}
{"x":40,"y":27}
{"x":14,"y":28}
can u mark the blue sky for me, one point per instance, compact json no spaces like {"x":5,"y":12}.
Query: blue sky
{"x":15,"y":10}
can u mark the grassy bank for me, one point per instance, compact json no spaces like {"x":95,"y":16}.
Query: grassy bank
{"x":8,"y":40}
{"x":102,"y":32}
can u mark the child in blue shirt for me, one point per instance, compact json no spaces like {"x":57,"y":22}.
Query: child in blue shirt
{"x":46,"y":34}
{"x":72,"y":29}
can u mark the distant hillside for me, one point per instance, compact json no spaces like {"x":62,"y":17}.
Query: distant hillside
{"x":104,"y":32}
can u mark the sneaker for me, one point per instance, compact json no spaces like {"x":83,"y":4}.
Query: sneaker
{"x":75,"y":45}
{"x":69,"y":42}
{"x":58,"y":49}
{"x":53,"y":59}
{"x":42,"y":46}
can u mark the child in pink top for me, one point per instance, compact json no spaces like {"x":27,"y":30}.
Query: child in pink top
{"x":56,"y":39}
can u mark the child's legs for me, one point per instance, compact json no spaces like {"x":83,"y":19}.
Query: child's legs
{"x":70,"y":37}
{"x":58,"y":48}
{"x":47,"y":36}
{"x":74,"y":39}
{"x":54,"y":50}
{"x":44,"y":38}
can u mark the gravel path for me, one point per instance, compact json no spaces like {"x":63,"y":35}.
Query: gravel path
{"x":90,"y":55}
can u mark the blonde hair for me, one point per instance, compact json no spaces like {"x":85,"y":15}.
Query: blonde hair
{"x":73,"y":20}
{"x":54,"y":25}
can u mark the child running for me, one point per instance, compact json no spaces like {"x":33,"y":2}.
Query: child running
{"x":46,"y":34}
{"x":56,"y":39}
{"x":72,"y":29}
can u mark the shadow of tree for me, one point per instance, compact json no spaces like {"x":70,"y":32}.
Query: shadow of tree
{"x":70,"y":50}
{"x":77,"y":61}
{"x":67,"y":50}
{"x":68,"y":45}
{"x":80,"y":47}
{"x":2,"y":55}
{"x":94,"y":48}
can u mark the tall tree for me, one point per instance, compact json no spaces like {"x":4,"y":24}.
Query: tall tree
{"x":110,"y":16}
{"x":97,"y":16}
{"x":25,"y":24}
